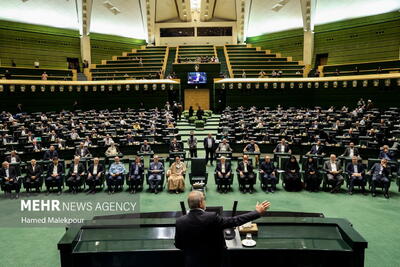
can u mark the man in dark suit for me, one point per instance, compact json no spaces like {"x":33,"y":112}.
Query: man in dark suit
{"x":334,"y":173}
{"x":282,"y":147}
{"x":82,"y":151}
{"x":209,"y":144}
{"x":175,"y":146}
{"x":13,"y":157}
{"x":50,"y":154}
{"x":155,"y":171}
{"x":380,"y":174}
{"x":223,"y":172}
{"x":385,"y":153}
{"x":33,"y":173}
{"x":245,"y":172}
{"x":351,"y":151}
{"x":317,"y":149}
{"x":75,"y":175}
{"x":356,"y":174}
{"x":95,"y":174}
{"x":145,"y":148}
{"x":200,"y":234}
{"x":8,"y":177}
{"x":268,"y":174}
{"x":134,"y":178}
{"x":55,"y":173}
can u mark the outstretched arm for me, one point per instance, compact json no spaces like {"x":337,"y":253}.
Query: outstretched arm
{"x":227,"y":222}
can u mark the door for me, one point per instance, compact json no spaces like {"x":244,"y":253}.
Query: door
{"x":320,"y":60}
{"x":197,"y":97}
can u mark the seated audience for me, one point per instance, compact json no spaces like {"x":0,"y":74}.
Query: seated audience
{"x":50,"y":154}
{"x":380,"y":177}
{"x":135,"y":175}
{"x":176,"y":176}
{"x":312,"y":178}
{"x":33,"y":176}
{"x":13,"y":157}
{"x":351,"y":151}
{"x":75,"y":175}
{"x":155,"y":171}
{"x":334,"y":173}
{"x":116,"y":175}
{"x":282,"y":147}
{"x":246,"y":175}
{"x":292,"y":179}
{"x":95,"y":174}
{"x":268,"y":174}
{"x":9,"y":179}
{"x":223,"y":172}
{"x":55,"y":172}
{"x":82,"y":151}
{"x":356,"y":173}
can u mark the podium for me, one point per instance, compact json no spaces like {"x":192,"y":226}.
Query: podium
{"x":147,"y":239}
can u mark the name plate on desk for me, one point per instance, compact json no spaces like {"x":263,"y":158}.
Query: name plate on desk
{"x":251,"y":229}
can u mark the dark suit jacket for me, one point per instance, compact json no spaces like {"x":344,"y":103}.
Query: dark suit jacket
{"x":18,"y":159}
{"x":205,"y":142}
{"x":240,"y":167}
{"x":100,"y":168}
{"x":175,"y":147}
{"x":81,"y":169}
{"x":347,"y":152}
{"x":376,"y":169}
{"x":350,"y":169}
{"x":60,"y":169}
{"x":78,"y":151}
{"x":49,"y":155}
{"x":12,"y":173}
{"x":132,"y":169}
{"x":227,"y":167}
{"x":144,"y":148}
{"x":315,"y":151}
{"x":267,"y":167}
{"x":278,"y":148}
{"x":200,"y":235}
{"x":389,"y":155}
{"x":38,"y":170}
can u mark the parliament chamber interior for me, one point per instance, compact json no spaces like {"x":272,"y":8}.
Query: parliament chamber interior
{"x":116,"y":114}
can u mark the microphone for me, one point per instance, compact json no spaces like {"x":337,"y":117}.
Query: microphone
{"x":183,"y":208}
{"x":229,"y":233}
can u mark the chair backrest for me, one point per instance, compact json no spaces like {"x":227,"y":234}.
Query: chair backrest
{"x":198,"y":166}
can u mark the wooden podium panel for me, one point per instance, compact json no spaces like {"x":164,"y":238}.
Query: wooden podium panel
{"x":197,"y":97}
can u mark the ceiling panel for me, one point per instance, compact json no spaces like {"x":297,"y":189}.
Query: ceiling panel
{"x":166,"y":11}
{"x":56,"y":13}
{"x":225,"y":9}
{"x":128,"y":23}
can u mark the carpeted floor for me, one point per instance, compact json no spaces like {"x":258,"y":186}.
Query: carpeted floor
{"x":377,"y":219}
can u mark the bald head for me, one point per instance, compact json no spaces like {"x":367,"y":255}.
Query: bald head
{"x":196,"y":200}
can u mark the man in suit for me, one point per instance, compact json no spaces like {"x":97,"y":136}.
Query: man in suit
{"x":145,"y":147}
{"x":351,"y":151}
{"x":116,"y":175}
{"x":82,"y":151}
{"x":95,"y":174}
{"x":246,"y":175}
{"x":192,"y":143}
{"x":223,"y":147}
{"x":199,"y":234}
{"x":175,"y":146}
{"x":268,"y":174}
{"x":75,"y":175}
{"x":55,"y":174}
{"x":356,"y":174}
{"x":9,"y":179}
{"x":155,"y":170}
{"x":135,"y":175}
{"x":36,"y":146}
{"x":33,"y":176}
{"x":317,"y":149}
{"x":209,"y":143}
{"x":334,"y":173}
{"x":282,"y":147}
{"x":13,"y":157}
{"x":50,"y":154}
{"x":380,"y":175}
{"x":223,"y":172}
{"x":385,"y":153}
